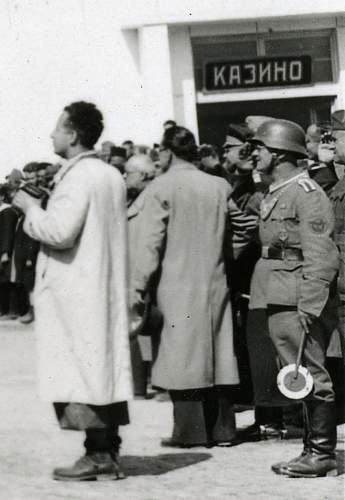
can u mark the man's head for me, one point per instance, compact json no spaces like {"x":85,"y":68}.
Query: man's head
{"x":105,"y":151}
{"x":312,"y":141}
{"x":77,"y":130}
{"x":277,"y":142}
{"x":139,"y":171}
{"x":208,"y":158}
{"x":236,"y":151}
{"x":338,"y":127}
{"x":41,"y":174}
{"x":168,"y":124}
{"x":118,"y":157}
{"x":177,"y":142}
{"x":129,"y":147}
{"x":14,"y":179}
{"x":30,"y":171}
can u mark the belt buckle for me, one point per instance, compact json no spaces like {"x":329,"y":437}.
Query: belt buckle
{"x":264,"y":252}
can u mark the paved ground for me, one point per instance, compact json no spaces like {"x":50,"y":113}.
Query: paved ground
{"x":31,"y":444}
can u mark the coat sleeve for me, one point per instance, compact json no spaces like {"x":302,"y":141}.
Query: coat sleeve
{"x":242,"y":229}
{"x":61,"y":223}
{"x":320,"y":255}
{"x":155,"y":216}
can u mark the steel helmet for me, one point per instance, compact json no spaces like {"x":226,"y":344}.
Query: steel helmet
{"x":281,"y":134}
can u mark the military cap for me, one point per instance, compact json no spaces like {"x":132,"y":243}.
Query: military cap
{"x":338,"y":120}
{"x":116,"y":151}
{"x":237,"y":134}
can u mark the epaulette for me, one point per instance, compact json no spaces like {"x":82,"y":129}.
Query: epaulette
{"x":307,"y":185}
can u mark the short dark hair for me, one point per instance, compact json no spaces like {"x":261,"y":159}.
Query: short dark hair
{"x":128,"y":142}
{"x":181,"y":142}
{"x":171,"y":123}
{"x":31,"y":167}
{"x":86,"y":120}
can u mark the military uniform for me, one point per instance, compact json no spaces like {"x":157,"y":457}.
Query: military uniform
{"x":338,"y":199}
{"x":298,"y":264}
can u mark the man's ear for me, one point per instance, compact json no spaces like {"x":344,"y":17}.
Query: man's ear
{"x":73,"y":137}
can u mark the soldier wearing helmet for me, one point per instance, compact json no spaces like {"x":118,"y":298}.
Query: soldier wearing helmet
{"x":292,"y":281}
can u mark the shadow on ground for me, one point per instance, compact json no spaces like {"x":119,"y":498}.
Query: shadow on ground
{"x":160,"y":464}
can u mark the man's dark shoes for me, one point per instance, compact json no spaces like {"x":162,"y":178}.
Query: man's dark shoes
{"x":171,"y":443}
{"x":90,"y":467}
{"x":310,"y":465}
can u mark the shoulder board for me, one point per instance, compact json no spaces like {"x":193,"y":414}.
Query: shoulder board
{"x":307,"y":185}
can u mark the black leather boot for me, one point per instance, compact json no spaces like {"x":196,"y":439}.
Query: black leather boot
{"x":281,"y":468}
{"x":318,"y":458}
{"x":99,"y":462}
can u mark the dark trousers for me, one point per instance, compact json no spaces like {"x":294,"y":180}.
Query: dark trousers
{"x":203,"y":416}
{"x":102,"y":440}
{"x":140,"y":369}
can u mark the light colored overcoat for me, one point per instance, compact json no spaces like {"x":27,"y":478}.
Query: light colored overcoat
{"x":182,"y":231}
{"x":81,"y":288}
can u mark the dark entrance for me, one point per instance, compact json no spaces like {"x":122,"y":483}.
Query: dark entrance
{"x":214,"y":118}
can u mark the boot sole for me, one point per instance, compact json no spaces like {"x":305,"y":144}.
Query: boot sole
{"x":330,"y":473}
{"x":92,"y":477}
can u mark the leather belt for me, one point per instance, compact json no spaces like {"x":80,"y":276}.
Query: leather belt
{"x":282,"y":253}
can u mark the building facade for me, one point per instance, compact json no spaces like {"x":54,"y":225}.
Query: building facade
{"x":225,"y":61}
{"x":204,"y":63}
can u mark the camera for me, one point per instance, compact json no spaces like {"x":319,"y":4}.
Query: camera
{"x":32,"y":190}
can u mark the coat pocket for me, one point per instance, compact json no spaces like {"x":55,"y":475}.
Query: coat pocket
{"x":284,"y":284}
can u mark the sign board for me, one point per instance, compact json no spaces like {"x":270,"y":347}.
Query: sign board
{"x":261,"y":72}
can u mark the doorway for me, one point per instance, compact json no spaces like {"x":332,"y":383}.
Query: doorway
{"x":214,"y":118}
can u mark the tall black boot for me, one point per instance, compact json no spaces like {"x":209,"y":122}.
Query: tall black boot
{"x":282,"y":467}
{"x":99,"y":462}
{"x":318,"y":458}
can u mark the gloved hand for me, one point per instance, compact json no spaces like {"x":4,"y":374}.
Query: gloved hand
{"x":306,"y":320}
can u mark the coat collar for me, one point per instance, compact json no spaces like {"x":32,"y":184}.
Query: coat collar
{"x":275,"y":186}
{"x":184,"y":165}
{"x":70,"y":164}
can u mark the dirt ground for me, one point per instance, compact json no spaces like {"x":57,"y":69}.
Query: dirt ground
{"x":31,"y":444}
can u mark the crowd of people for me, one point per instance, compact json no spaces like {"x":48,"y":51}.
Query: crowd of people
{"x":233,"y":257}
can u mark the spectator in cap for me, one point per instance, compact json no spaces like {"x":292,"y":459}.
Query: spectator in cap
{"x":321,"y":149}
{"x":129,"y":147}
{"x":238,"y":163}
{"x":118,"y":158}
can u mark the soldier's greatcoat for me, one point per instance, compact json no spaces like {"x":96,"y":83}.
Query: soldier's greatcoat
{"x":81,"y":288}
{"x":183,"y":226}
